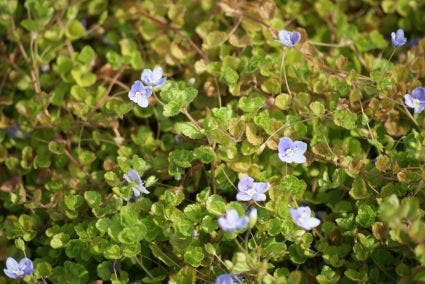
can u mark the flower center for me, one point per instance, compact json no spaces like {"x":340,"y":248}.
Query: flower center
{"x":138,"y":95}
{"x":19,"y":272}
{"x":289,"y":152}
{"x":251,"y":192}
{"x":416,"y":102}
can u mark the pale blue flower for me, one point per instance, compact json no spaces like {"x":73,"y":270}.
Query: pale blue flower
{"x":153,"y":78}
{"x":289,"y":39}
{"x":15,"y":131}
{"x":416,"y":100}
{"x":250,"y":190}
{"x":19,"y":269}
{"x":414,"y":42}
{"x":232,"y":221}
{"x":302,"y":217}
{"x":137,"y":183}
{"x":229,"y":278}
{"x":291,"y":151}
{"x":398,"y":38}
{"x":84,"y":23}
{"x":140,"y":94}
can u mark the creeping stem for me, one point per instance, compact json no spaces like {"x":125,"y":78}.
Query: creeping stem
{"x":283,"y":70}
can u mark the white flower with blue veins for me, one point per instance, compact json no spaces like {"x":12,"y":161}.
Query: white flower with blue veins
{"x":153,"y":78}
{"x":250,"y":190}
{"x":416,"y":99}
{"x":291,"y":151}
{"x":398,"y":38}
{"x":289,"y":39}
{"x":15,"y":269}
{"x":232,"y":221}
{"x":302,"y":217}
{"x":140,"y":94}
{"x":133,"y":178}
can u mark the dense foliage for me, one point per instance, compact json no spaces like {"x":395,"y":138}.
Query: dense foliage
{"x":100,"y":182}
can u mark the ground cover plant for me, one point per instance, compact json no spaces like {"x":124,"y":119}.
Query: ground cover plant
{"x":212,"y":141}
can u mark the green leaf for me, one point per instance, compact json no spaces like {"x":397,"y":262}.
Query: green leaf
{"x":365,"y":216}
{"x":190,"y":130}
{"x":251,"y":103}
{"x":43,"y":269}
{"x":185,"y":227}
{"x":241,"y":263}
{"x":205,"y":153}
{"x":271,"y":86}
{"x":297,"y":254}
{"x":176,"y":96}
{"x":327,"y":276}
{"x":283,"y":101}
{"x":75,"y":30}
{"x":59,"y":240}
{"x":83,"y":77}
{"x":317,"y":108}
{"x":209,"y":224}
{"x":86,"y":55}
{"x":112,"y":252}
{"x":185,"y":275}
{"x":194,"y":256}
{"x":345,"y":119}
{"x":356,"y":275}
{"x":293,"y":185}
{"x":229,"y":75}
{"x":181,"y":158}
{"x":216,"y":205}
{"x":132,"y":234}
{"x":359,"y":189}
{"x":215,"y":39}
{"x":93,"y":198}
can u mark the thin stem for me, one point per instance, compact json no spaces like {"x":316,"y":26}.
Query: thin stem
{"x":392,"y":54}
{"x":218,"y":91}
{"x":261,"y":206}
{"x":412,"y":118}
{"x":115,"y":270}
{"x":340,"y":44}
{"x":389,"y":59}
{"x":156,"y":97}
{"x":184,"y":111}
{"x":282,"y":68}
{"x":228,"y":179}
{"x":239,"y":245}
{"x":143,"y":267}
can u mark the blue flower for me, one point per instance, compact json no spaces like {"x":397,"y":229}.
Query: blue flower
{"x":19,"y":269}
{"x":84,"y":23}
{"x":138,"y":187}
{"x":140,"y":94}
{"x":229,"y":278}
{"x":398,"y":38}
{"x":414,"y":42}
{"x":291,"y":151}
{"x":302,"y":217}
{"x":250,"y":190}
{"x":153,"y":78}
{"x":15,"y":131}
{"x":232,"y":221}
{"x":289,"y":39}
{"x":416,"y":100}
